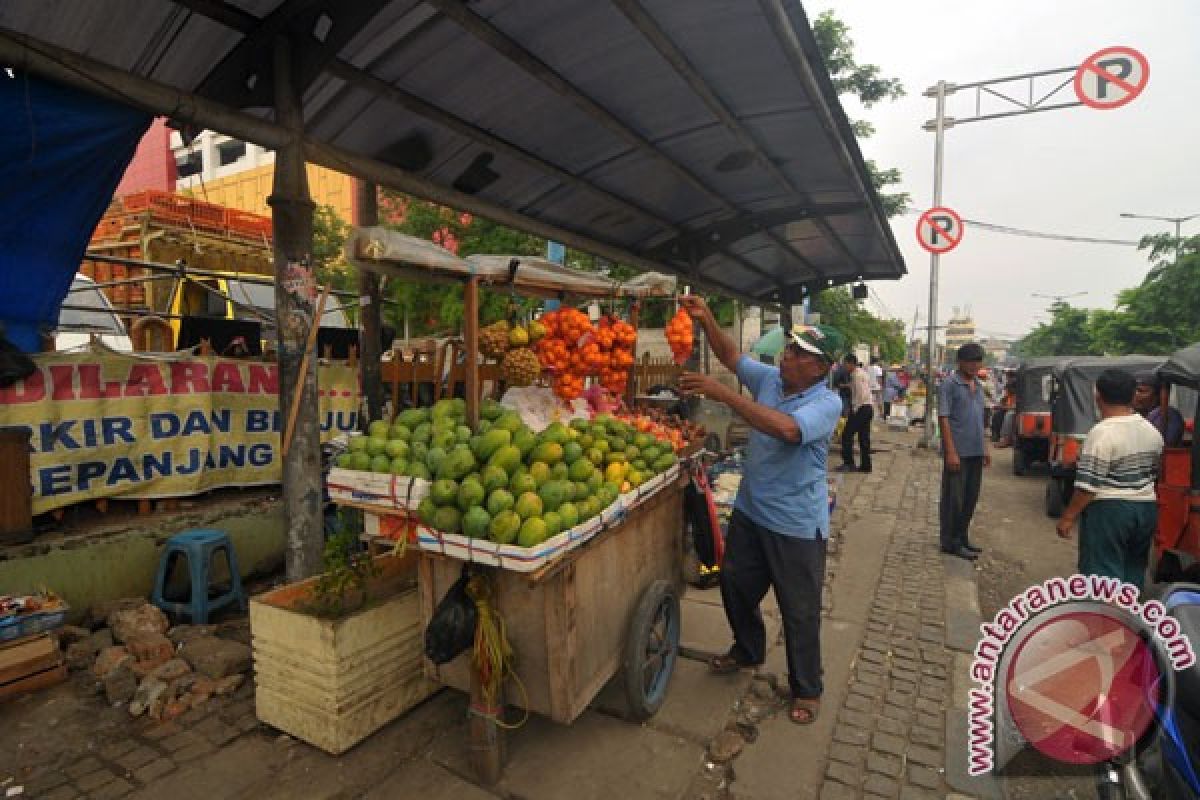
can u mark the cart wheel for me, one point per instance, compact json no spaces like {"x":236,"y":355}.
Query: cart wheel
{"x":651,"y":650}
{"x":1054,"y":499}
{"x":1019,"y":465}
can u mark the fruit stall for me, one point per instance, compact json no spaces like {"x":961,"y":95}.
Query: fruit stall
{"x":553,"y":514}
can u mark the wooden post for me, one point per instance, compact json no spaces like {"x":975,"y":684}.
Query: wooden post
{"x":471,"y":346}
{"x":370,"y":300}
{"x":631,"y":385}
{"x":295,"y":294}
{"x":16,"y":504}
{"x":487,"y":743}
{"x":486,"y":738}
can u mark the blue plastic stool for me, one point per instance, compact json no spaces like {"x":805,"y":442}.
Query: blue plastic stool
{"x":198,"y":546}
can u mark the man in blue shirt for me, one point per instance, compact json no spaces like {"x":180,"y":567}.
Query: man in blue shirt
{"x":776,"y":537}
{"x":965,"y":450}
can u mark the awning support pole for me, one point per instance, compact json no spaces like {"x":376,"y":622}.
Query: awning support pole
{"x":370,"y":304}
{"x":295,"y":294}
{"x":471,"y":348}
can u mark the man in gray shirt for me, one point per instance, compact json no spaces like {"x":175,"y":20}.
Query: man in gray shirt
{"x":965,"y":450}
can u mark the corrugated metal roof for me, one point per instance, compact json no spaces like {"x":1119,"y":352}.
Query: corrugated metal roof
{"x":703,"y":136}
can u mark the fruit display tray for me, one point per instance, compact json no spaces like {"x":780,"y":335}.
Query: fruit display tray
{"x":376,"y":491}
{"x":527,"y":559}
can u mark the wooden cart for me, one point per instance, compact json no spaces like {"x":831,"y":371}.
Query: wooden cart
{"x":608,"y":609}
{"x":610,"y":606}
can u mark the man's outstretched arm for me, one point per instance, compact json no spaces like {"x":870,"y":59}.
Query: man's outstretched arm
{"x":724,"y":348}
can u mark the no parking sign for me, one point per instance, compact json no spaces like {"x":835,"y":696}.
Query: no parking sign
{"x":1111,"y":77}
{"x":939,"y":230}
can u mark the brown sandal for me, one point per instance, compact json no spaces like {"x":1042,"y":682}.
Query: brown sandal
{"x":726,"y":664}
{"x":804,"y":710}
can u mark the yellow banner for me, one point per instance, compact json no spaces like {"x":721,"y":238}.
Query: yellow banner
{"x":109,"y":425}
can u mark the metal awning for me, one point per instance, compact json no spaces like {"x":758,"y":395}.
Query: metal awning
{"x":700,"y":137}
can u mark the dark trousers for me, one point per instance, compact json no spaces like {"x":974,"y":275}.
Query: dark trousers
{"x":757,"y":559}
{"x":1115,"y":538}
{"x":998,"y":422}
{"x":887,"y":408}
{"x":960,"y":493}
{"x":858,"y":424}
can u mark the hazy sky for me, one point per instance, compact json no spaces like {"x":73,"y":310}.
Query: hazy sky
{"x":1067,"y":171}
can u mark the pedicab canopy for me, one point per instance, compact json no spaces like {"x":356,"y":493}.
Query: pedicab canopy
{"x":388,"y":252}
{"x":1183,"y":368}
{"x":1033,"y":390}
{"x":1182,"y":371}
{"x":703,"y":138}
{"x":1074,"y":388}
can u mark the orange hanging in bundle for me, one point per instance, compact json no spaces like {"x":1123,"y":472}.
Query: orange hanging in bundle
{"x":679,"y":336}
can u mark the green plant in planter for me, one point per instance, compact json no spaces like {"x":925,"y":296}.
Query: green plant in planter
{"x":342,"y":588}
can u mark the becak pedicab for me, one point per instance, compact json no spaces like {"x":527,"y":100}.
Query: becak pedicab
{"x":1031,"y":412}
{"x":1176,"y":553}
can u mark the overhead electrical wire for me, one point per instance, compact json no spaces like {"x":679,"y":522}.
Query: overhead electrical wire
{"x":1060,"y":237}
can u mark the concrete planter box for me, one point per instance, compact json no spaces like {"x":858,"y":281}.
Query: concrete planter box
{"x":334,"y":682}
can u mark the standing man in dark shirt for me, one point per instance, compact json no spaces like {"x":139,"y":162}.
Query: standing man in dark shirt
{"x":965,"y":450}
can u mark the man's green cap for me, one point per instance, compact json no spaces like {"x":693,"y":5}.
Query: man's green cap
{"x":812,"y":339}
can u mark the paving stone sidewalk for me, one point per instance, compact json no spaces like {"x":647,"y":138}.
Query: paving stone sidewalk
{"x":890,"y":734}
{"x":888,"y":647}
{"x":61,"y":757}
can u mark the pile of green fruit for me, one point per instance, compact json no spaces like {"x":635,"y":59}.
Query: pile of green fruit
{"x":505,"y":483}
{"x":414,"y":445}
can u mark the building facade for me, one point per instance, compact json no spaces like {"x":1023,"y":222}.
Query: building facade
{"x":959,"y":330}
{"x":222,"y":170}
{"x":219,"y":169}
{"x":153,"y":164}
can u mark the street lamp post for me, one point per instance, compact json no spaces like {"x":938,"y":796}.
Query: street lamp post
{"x":1178,"y":225}
{"x":1058,"y":298}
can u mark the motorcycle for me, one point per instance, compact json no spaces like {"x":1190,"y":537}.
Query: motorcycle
{"x":1169,"y":768}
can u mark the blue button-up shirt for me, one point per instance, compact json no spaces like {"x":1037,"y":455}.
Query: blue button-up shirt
{"x":784,"y":486}
{"x":962,"y":404}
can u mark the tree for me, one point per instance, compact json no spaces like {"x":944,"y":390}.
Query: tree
{"x":862,"y":81}
{"x":329,"y":237}
{"x":1069,"y":333}
{"x":1160,"y":315}
{"x":865,"y":83}
{"x":1155,"y":318}
{"x":838,"y":308}
{"x":437,"y":308}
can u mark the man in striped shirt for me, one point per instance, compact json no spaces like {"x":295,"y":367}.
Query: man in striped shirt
{"x":1114,"y":486}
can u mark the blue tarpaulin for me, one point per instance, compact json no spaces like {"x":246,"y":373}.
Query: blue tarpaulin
{"x":62,"y":154}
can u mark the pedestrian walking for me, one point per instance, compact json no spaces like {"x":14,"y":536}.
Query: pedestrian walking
{"x":858,"y":424}
{"x":965,"y":450}
{"x":875,"y":373}
{"x":987,"y":381}
{"x":776,"y":537}
{"x":1005,"y":406}
{"x":891,"y":392}
{"x":1113,"y":497}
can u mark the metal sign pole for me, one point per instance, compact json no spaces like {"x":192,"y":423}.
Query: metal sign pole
{"x":1107,"y":79}
{"x":939,"y":92}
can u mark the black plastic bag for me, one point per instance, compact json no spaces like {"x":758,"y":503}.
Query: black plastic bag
{"x":14,"y":365}
{"x":695,"y":509}
{"x":452,"y":628}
